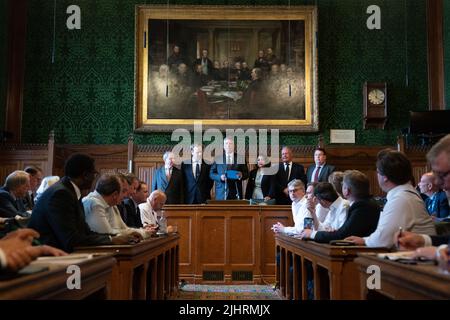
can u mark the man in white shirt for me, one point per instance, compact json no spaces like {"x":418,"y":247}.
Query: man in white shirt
{"x":152,"y":210}
{"x":314,"y":205}
{"x":328,"y":198}
{"x":404,"y":207}
{"x":296,"y":190}
{"x":439,"y":158}
{"x":100,"y":207}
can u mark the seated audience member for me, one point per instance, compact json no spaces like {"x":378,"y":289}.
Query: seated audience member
{"x":16,"y":250}
{"x":287,"y":171}
{"x":336,"y":179}
{"x":152,"y":210}
{"x":46,"y":182}
{"x":313,"y":205}
{"x":100,"y":208}
{"x":321,"y":170}
{"x":12,"y":194}
{"x":132,"y":204}
{"x":299,"y":209}
{"x":404,"y":207}
{"x":363,"y":214}
{"x":260,"y":182}
{"x":58,"y":216}
{"x":436,"y":200}
{"x":35,"y":181}
{"x":169,"y":179}
{"x":327,"y":197}
{"x":132,"y":182}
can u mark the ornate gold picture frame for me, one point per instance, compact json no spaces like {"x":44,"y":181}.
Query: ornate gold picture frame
{"x":228,"y":66}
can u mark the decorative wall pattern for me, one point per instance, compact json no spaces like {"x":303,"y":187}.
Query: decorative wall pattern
{"x":446,"y":13}
{"x":87,"y":94}
{"x":3,"y":48}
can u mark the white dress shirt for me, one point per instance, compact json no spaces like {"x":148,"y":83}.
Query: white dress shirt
{"x":335,"y":217}
{"x":404,"y":208}
{"x":106,"y":219}
{"x":299,"y":213}
{"x":321,"y":212}
{"x":148,"y":215}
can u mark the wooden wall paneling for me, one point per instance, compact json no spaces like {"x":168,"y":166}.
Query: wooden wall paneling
{"x":270,"y":215}
{"x":184,"y":217}
{"x":108,"y":158}
{"x":17,"y":157}
{"x":243,"y":241}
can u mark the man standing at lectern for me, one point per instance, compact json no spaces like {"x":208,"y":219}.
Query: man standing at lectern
{"x":228,"y":173}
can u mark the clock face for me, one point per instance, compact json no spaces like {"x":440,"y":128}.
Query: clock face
{"x":376,"y":96}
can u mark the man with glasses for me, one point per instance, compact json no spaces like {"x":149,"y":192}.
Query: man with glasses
{"x":300,"y":211}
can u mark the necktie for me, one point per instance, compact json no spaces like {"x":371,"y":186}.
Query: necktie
{"x":168,"y":174}
{"x":197,"y":171}
{"x":287,"y":171}
{"x":316,"y":175}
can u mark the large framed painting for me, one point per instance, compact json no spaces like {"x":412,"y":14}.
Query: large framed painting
{"x":226,"y":66}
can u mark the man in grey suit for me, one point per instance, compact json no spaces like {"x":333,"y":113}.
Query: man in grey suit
{"x":320,"y":171}
{"x":169,"y":179}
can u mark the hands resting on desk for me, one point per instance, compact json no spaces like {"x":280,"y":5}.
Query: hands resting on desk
{"x":18,"y":250}
{"x":128,"y":238}
{"x":412,"y":241}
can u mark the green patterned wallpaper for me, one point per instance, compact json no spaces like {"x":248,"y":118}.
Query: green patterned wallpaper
{"x":87,"y":94}
{"x":447,"y":51}
{"x":3,"y":75}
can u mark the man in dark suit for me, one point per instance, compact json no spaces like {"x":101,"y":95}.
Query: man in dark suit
{"x":35,"y":181}
{"x":287,"y":171}
{"x":169,"y":180}
{"x":59,"y":214}
{"x":128,"y":208}
{"x":131,"y":205}
{"x":205,"y":62}
{"x":436,"y":200}
{"x":362,"y":216}
{"x":197,"y":184}
{"x":320,"y":171}
{"x":16,"y":187}
{"x":229,"y":187}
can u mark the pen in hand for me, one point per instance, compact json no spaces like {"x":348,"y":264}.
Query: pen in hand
{"x":400,"y":229}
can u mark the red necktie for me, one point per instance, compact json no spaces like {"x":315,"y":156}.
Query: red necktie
{"x":316,"y":175}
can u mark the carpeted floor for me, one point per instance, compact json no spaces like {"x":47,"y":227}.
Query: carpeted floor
{"x":227,"y":292}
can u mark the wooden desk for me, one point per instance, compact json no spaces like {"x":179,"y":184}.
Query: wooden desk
{"x":96,"y":276}
{"x":147,"y":270}
{"x":227,"y":243}
{"x":401,"y":281}
{"x":334,"y":272}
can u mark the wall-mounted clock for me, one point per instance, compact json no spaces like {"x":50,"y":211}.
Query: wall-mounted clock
{"x":375,"y":104}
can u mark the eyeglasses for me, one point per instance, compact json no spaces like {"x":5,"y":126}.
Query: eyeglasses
{"x":441,"y":175}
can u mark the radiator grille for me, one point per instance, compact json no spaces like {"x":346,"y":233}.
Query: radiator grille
{"x":242,"y":276}
{"x":213,"y":275}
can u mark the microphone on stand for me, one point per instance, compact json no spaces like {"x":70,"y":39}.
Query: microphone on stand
{"x":237,"y":190}
{"x":226,"y":185}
